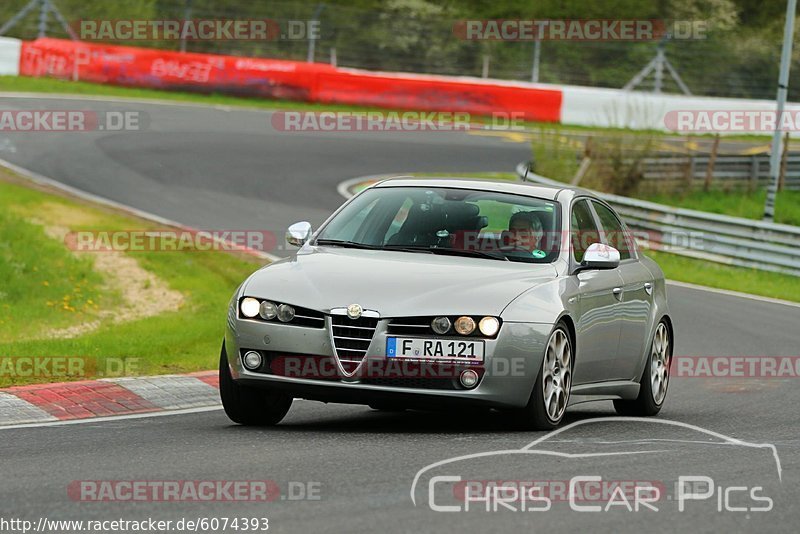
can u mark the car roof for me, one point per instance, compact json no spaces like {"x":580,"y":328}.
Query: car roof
{"x":548,"y":192}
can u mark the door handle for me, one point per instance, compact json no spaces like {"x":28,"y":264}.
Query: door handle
{"x":617,"y":292}
{"x":648,"y":286}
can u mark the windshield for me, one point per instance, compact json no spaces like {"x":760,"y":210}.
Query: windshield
{"x":439,"y":220}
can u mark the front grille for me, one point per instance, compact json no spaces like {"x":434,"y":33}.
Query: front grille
{"x":410,"y":326}
{"x":307,"y":317}
{"x":351,"y":337}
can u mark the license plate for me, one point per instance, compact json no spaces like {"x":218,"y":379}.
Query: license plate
{"x":434,"y":349}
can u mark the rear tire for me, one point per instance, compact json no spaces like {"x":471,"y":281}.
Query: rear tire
{"x":550,"y":396}
{"x":247,"y":405}
{"x":655,"y":377}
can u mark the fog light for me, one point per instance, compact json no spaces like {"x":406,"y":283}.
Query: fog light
{"x":285,"y":313}
{"x":268,"y":310}
{"x":465,"y":325}
{"x":469,"y":378}
{"x":440,"y":325}
{"x":252,"y":360}
{"x":489,"y":326}
{"x":249,"y":307}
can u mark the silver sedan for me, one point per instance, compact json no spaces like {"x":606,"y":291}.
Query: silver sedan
{"x":452,"y":292}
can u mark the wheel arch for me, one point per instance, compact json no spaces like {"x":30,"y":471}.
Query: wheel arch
{"x":570,"y":323}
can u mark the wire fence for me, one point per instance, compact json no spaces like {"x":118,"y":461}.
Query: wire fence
{"x":419,"y":37}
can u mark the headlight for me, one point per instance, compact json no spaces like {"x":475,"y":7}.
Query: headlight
{"x":465,"y":325}
{"x":440,"y":325}
{"x":249,"y":307}
{"x":285,"y":313}
{"x":268,"y":310}
{"x":489,"y":326}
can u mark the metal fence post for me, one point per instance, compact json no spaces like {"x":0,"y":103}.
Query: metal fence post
{"x":537,"y":49}
{"x":187,"y":14}
{"x":784,"y":162}
{"x":754,"y":172}
{"x":711,"y":162}
{"x":312,"y":39}
{"x":43,"y":18}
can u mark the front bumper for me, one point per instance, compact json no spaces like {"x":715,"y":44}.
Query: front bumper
{"x":511,"y":363}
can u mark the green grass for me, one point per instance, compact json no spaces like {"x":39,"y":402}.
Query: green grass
{"x":706,"y":273}
{"x":177,"y":341}
{"x":59,"y":292}
{"x":736,"y":203}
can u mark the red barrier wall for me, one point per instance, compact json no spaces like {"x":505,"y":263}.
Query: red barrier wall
{"x":291,"y":80}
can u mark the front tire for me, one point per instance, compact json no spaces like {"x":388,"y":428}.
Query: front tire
{"x":248,"y":405}
{"x":551,"y":390}
{"x":655,"y":378}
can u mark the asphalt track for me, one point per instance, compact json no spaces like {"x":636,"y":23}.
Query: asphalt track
{"x":229,"y":169}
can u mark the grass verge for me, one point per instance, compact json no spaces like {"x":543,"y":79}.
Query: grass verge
{"x":47,"y":286}
{"x":735,"y":203}
{"x":720,"y":276}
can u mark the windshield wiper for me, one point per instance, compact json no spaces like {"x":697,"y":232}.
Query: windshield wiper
{"x":411,"y":248}
{"x":346,"y":244}
{"x":450,"y":252}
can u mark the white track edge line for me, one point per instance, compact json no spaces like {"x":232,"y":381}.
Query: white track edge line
{"x":162,"y":413}
{"x":731,"y":293}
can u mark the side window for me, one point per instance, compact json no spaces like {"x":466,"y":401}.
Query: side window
{"x":583,"y":230}
{"x":613,"y":232}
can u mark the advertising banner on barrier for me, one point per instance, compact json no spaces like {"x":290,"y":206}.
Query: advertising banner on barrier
{"x":164,"y":69}
{"x":281,"y":79}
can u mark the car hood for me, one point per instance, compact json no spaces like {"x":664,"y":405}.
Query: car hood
{"x":395,"y":283}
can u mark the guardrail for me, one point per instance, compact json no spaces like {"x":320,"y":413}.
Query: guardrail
{"x":710,"y":236}
{"x":751,"y":171}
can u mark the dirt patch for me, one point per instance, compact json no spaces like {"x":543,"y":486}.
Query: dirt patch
{"x":142,"y":293}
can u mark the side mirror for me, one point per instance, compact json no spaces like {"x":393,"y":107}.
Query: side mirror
{"x":298,"y":233}
{"x":600,"y":256}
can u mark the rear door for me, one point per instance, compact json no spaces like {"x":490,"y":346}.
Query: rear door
{"x":636,"y":300}
{"x":598,"y":324}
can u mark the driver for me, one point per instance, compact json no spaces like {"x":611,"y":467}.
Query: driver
{"x":525,"y":232}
